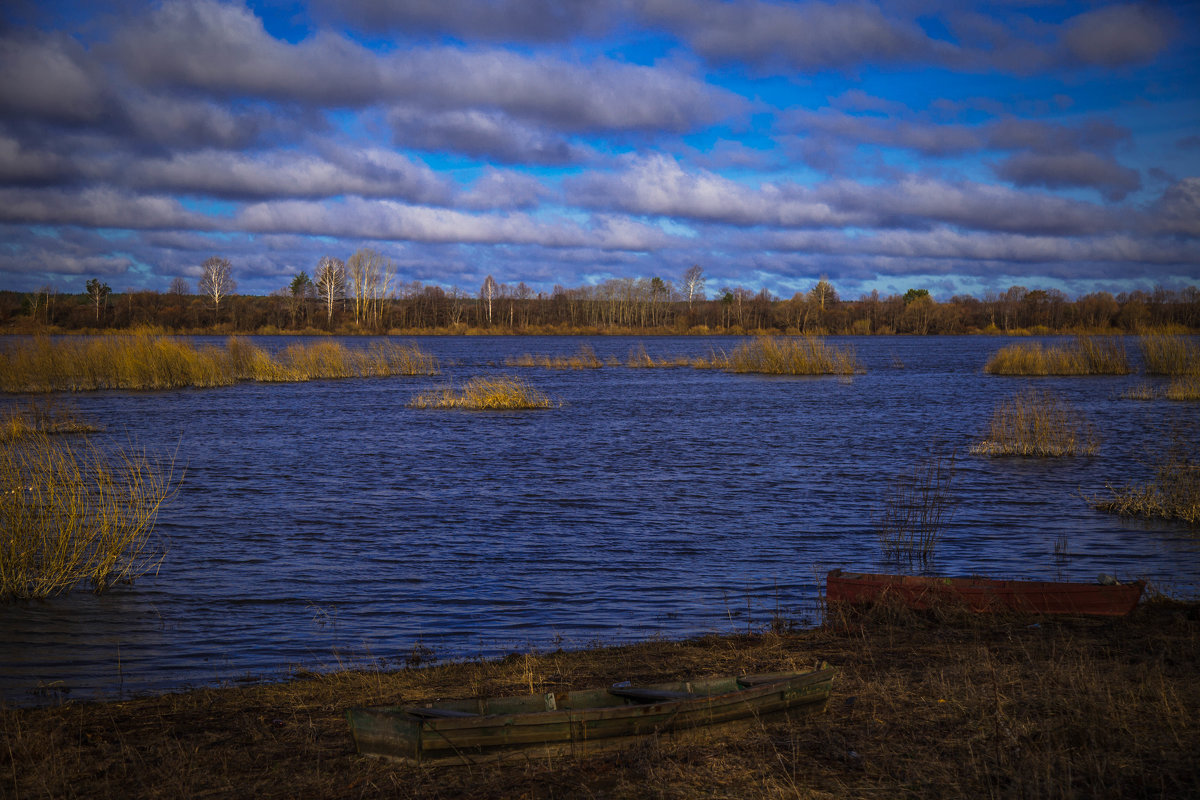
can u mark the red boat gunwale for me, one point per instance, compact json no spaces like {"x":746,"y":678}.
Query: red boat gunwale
{"x":984,"y":594}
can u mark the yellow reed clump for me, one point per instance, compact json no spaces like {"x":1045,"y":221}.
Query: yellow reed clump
{"x":485,"y":394}
{"x":1174,"y":494}
{"x":806,"y":355}
{"x":1170,"y":355}
{"x":74,"y":514}
{"x":1086,"y":355}
{"x":1037,"y":424}
{"x":25,"y":420}
{"x":148,"y":361}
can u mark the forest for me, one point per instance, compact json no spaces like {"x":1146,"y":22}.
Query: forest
{"x":360,"y":296}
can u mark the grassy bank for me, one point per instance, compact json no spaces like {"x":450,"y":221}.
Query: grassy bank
{"x":148,"y":361}
{"x":921,"y":707}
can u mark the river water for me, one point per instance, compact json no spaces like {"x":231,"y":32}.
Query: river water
{"x":326,"y":524}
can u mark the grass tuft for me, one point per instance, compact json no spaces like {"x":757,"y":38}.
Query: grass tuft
{"x":916,"y":508}
{"x":1142,"y":391}
{"x":585,"y":358}
{"x":1037,"y":424}
{"x":485,"y":394}
{"x":73,"y":514}
{"x":1086,"y":355}
{"x":20,"y":422}
{"x":792,"y":356}
{"x":1186,"y":388}
{"x":1174,"y":494}
{"x":1170,"y":355}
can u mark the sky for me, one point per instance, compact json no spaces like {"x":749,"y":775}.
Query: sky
{"x":954,"y":147}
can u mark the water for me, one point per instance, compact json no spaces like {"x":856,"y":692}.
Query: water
{"x":325,"y":524}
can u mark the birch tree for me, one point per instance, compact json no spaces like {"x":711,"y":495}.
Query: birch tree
{"x":331,"y":283}
{"x":693,"y":284}
{"x":487,"y":292}
{"x":216,"y":281}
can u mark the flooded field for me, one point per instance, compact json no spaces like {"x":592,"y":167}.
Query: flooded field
{"x":327,"y":524}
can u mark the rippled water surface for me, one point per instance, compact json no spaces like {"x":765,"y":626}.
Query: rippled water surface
{"x":325,"y":524}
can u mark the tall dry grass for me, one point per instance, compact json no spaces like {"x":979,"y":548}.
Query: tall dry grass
{"x":1170,"y":355}
{"x":485,"y":394}
{"x":1173,"y":494}
{"x":1036,"y":423}
{"x":20,"y":421}
{"x":1184,"y":388}
{"x":584,"y":358}
{"x":74,"y":514}
{"x":145,"y":361}
{"x":916,"y":508}
{"x":806,"y":355}
{"x":1086,"y":355}
{"x":638,"y":358}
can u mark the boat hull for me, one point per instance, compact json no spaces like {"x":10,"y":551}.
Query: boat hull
{"x":983,"y":595}
{"x":574,"y":723}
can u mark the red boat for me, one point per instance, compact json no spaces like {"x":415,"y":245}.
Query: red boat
{"x":1109,"y":599}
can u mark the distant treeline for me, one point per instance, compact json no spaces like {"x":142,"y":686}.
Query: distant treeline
{"x":616,"y":306}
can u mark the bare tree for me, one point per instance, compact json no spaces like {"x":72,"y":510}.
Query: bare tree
{"x":331,"y":283}
{"x":179,"y":286}
{"x":216,"y":281}
{"x":693,"y":284}
{"x":99,"y":293}
{"x":488,"y":293}
{"x":369,"y":275}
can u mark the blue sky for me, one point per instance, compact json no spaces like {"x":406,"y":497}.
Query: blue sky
{"x":959,"y":148}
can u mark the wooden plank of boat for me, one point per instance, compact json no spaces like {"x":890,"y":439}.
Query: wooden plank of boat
{"x":984,"y":594}
{"x":580,"y":722}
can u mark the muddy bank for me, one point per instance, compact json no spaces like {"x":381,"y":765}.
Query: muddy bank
{"x":930,"y":706}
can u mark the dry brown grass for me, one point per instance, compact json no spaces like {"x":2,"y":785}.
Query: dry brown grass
{"x":1170,"y":355}
{"x":1039,"y":424}
{"x":1184,"y":389}
{"x":916,"y":508}
{"x":806,"y":355}
{"x":584,"y":358}
{"x":922,"y":707}
{"x":485,"y":394}
{"x":1086,"y":355}
{"x":46,"y":417}
{"x":73,"y":514}
{"x":1173,"y":494}
{"x":147,"y":361}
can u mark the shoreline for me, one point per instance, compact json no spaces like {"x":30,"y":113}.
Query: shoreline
{"x":931,"y":705}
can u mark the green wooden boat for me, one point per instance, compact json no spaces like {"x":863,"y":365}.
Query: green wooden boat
{"x":580,"y":722}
